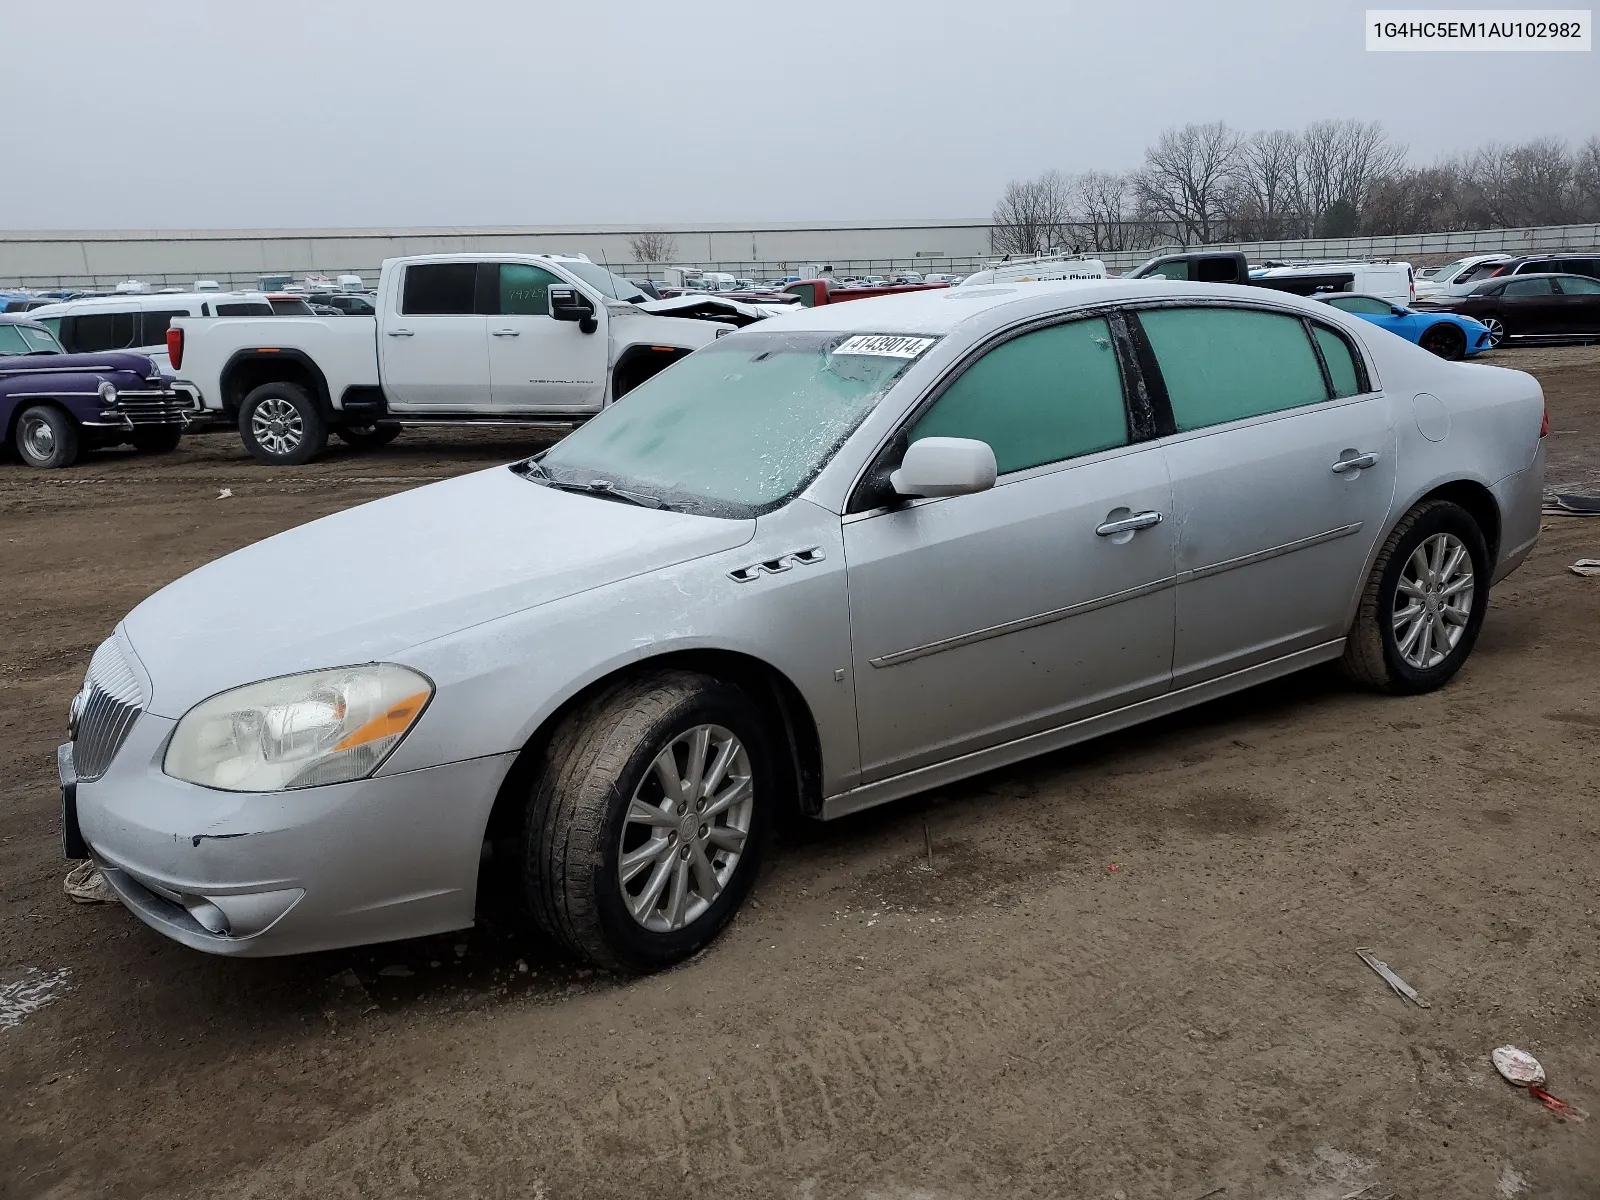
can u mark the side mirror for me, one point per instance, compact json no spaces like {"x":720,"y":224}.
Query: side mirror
{"x":944,"y":466}
{"x":1397,"y":310}
{"x":569,"y":304}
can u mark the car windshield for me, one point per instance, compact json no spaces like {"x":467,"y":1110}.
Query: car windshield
{"x":1446,"y":272}
{"x":739,"y":427}
{"x":611,"y":285}
{"x":34,"y":341}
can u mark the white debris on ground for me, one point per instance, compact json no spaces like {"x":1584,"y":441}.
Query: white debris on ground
{"x":1511,"y":1184}
{"x":86,"y":885}
{"x":27,"y":992}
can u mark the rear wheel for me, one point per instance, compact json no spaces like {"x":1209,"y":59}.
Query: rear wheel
{"x":367,"y":437}
{"x":47,"y":437}
{"x":161,"y":440}
{"x":645,"y":831}
{"x":1445,"y":340}
{"x":1496,"y":328}
{"x":1424,"y":602}
{"x":281,"y":425}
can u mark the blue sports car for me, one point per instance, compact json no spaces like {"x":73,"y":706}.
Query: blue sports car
{"x":1444,"y":334}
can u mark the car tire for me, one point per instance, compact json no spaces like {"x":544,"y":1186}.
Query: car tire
{"x":1496,"y":328}
{"x":367,"y":437}
{"x":1446,"y":340}
{"x":47,"y":438}
{"x":162,"y":440}
{"x":600,"y":775}
{"x":1424,"y":602}
{"x":281,"y":425}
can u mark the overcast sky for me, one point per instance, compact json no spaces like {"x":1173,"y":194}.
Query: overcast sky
{"x":214,"y":114}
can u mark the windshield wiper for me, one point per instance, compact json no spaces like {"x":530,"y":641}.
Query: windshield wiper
{"x":603,"y":488}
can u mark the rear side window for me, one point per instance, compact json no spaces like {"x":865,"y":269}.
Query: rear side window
{"x":525,"y":290}
{"x":439,"y":289}
{"x":1529,"y":287}
{"x":1341,"y":360}
{"x":1226,"y":364}
{"x":245,"y":308}
{"x":1578,"y":285}
{"x":1045,"y":396}
{"x":153,"y":325}
{"x":88,"y":333}
{"x":1538,"y":265}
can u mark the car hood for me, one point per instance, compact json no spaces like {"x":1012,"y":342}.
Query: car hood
{"x":367,"y":583}
{"x":57,"y":364}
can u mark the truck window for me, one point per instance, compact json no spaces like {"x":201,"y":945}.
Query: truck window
{"x":245,"y":308}
{"x":153,"y":327}
{"x":439,"y":289}
{"x":525,"y":290}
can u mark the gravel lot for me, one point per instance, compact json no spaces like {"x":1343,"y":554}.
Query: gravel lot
{"x":1130,"y":970}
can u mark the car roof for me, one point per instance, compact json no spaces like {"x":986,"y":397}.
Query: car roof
{"x":22,"y":319}
{"x":1325,"y":297}
{"x":140,"y":300}
{"x":943,"y":310}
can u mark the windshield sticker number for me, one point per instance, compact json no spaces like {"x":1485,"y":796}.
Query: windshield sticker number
{"x":884,"y":345}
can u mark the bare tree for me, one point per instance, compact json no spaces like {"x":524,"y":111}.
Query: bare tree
{"x":1338,"y":163}
{"x":1586,"y":179}
{"x":1186,"y":178}
{"x":1104,"y":209}
{"x":1033,"y":216}
{"x":1263,"y":207}
{"x":653,"y":247}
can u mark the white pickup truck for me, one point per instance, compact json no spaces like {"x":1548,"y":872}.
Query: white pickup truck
{"x":465,"y":339}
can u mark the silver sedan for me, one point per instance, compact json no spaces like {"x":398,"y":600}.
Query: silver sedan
{"x":833,"y":559}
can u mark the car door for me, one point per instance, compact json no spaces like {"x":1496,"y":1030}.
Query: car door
{"x":434,"y":349}
{"x":1580,"y":304}
{"x":536,"y":363}
{"x":1282,"y":460}
{"x":981,"y":618}
{"x":1527,"y":307}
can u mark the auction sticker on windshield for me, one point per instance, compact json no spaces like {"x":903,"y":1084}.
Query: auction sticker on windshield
{"x":884,"y":345}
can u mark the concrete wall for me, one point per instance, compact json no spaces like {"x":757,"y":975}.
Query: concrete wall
{"x":200,"y":253}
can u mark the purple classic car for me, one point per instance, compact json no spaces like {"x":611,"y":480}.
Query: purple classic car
{"x":53,"y":404}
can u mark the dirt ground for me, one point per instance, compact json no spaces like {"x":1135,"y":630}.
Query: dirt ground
{"x":1129,"y":970}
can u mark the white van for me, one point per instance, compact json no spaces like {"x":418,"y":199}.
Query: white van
{"x":138,"y":322}
{"x":1034,"y":270}
{"x":1391,"y":281}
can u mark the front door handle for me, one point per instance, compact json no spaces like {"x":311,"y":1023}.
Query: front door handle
{"x":401,"y":333}
{"x":508,"y":333}
{"x":1128,"y":524}
{"x":1359,"y":463}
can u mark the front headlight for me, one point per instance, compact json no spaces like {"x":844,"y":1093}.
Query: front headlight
{"x":108,"y":392}
{"x":298,"y":731}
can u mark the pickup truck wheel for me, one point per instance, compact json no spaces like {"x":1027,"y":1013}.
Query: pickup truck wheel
{"x":1423,"y":605}
{"x":367,"y":437}
{"x":47,"y":437}
{"x":645,"y":829}
{"x":163,"y":440}
{"x":281,"y":425}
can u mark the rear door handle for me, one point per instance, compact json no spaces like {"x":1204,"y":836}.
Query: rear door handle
{"x":1128,"y":524}
{"x":1359,"y":463}
{"x":401,"y":333}
{"x":508,"y":333}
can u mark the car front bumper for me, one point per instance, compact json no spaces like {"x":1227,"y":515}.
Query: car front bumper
{"x":259,"y":874}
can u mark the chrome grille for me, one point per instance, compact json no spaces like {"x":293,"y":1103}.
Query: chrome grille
{"x":154,"y":408}
{"x":104,"y":711}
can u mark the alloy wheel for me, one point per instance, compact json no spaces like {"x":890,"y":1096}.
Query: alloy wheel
{"x":277,"y":426}
{"x":686,"y":828}
{"x":1433,"y":601}
{"x":1496,"y":328}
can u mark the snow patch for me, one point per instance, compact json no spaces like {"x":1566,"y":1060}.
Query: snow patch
{"x":28,"y":992}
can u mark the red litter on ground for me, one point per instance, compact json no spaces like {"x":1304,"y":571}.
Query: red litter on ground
{"x":1523,"y":1070}
{"x":1113,"y":866}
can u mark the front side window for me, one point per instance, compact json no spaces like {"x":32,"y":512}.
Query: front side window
{"x":39,"y":341}
{"x":92,"y":332}
{"x":1528,"y":287}
{"x":439,"y":289}
{"x":1360,"y":304}
{"x":737,"y":427}
{"x":1226,"y":364}
{"x":1043,"y":397}
{"x":525,"y":290}
{"x":1578,"y":285}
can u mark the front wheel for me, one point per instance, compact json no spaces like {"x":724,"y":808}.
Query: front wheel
{"x":281,"y":425}
{"x":47,"y":437}
{"x":1445,"y":340}
{"x":367,"y":437}
{"x":161,"y":440}
{"x":1496,"y":328}
{"x":646,"y":827}
{"x":1424,"y":602}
